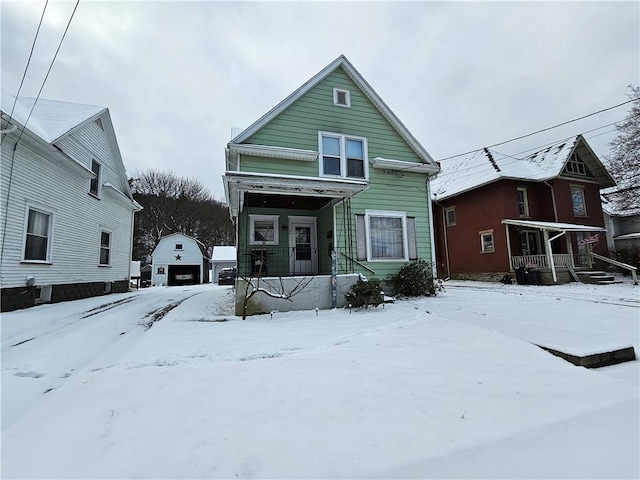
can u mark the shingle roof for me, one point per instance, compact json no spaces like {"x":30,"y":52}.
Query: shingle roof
{"x":50,"y":119}
{"x":461,"y":174}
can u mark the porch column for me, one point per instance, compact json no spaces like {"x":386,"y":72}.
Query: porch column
{"x":506,"y":227}
{"x":570,"y":250}
{"x":550,"y":255}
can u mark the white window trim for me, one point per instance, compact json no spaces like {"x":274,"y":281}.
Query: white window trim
{"x":30,"y":207}
{"x":386,"y":213}
{"x":576,"y":163}
{"x":493,"y":241}
{"x":347,"y":97}
{"x":100,"y":264}
{"x":264,"y":218}
{"x":98,"y":179}
{"x":584,"y":201}
{"x":446,"y":216}
{"x":343,"y":155}
{"x":526,"y":202}
{"x":181,"y":245}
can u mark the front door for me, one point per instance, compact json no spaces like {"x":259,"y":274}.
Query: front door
{"x":303,"y":248}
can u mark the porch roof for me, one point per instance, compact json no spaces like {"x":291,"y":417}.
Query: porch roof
{"x":236,"y":183}
{"x":554,"y":226}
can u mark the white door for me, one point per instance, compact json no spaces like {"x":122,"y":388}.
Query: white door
{"x":303,"y":246}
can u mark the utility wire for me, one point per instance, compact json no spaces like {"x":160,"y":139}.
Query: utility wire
{"x":15,"y":147}
{"x":24,"y":75}
{"x":543,"y":130}
{"x":48,"y":71}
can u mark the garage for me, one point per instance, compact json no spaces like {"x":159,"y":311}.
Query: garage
{"x":184,"y":275}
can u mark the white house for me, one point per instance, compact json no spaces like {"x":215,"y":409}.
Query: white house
{"x":222,"y":257}
{"x":66,"y":209}
{"x":179,"y":259}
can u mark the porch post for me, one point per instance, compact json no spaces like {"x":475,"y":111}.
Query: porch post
{"x":506,"y":227}
{"x":570,"y":250}
{"x":550,"y":255}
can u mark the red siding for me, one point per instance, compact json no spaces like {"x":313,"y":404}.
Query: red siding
{"x":484,"y":209}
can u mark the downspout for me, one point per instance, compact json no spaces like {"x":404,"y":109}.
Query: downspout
{"x":446,"y":239}
{"x":553,"y":200}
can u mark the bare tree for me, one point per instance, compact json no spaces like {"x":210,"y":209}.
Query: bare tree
{"x":172,"y":204}
{"x":624,"y":160}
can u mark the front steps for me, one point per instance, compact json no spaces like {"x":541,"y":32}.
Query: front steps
{"x":597,"y":277}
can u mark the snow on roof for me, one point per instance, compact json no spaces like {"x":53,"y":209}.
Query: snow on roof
{"x":461,"y":174}
{"x":50,"y":119}
{"x":223,"y":254}
{"x":623,"y":202}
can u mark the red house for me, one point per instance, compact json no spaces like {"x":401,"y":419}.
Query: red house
{"x":495,"y":214}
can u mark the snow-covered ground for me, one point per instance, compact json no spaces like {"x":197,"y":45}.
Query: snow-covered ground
{"x":167,"y":383}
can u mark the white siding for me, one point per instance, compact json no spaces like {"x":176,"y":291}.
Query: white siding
{"x":55,"y":184}
{"x":165,"y":255}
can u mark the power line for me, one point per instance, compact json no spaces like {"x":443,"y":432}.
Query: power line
{"x":48,"y":71}
{"x":542,"y":130}
{"x":24,"y":75}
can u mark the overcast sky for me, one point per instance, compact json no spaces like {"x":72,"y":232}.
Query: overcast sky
{"x":177,"y":76}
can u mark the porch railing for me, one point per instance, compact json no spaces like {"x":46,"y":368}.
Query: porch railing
{"x":276,"y":261}
{"x":542,"y":261}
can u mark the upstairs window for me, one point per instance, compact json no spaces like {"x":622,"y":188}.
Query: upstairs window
{"x":575,"y":166}
{"x":523,"y":202}
{"x":342,"y":98}
{"x":38,"y":236}
{"x":450,"y":216}
{"x":578,"y":202}
{"x":95,"y":182}
{"x":105,"y":248}
{"x":178,"y":246}
{"x":343,"y":156}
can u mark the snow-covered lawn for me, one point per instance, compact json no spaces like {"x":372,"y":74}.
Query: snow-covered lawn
{"x":443,"y":387}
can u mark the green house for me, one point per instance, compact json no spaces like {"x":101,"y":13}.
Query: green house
{"x":326,"y":186}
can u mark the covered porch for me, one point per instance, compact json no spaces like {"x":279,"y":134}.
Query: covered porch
{"x":291,"y":226}
{"x":537,"y":241}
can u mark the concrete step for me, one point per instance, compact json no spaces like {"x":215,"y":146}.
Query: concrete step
{"x":609,"y":282}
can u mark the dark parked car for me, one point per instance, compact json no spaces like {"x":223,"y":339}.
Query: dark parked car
{"x":227,"y":276}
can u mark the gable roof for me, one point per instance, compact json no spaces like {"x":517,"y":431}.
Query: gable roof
{"x":369,"y":92}
{"x":50,"y":119}
{"x":462,"y":174}
{"x":222,"y":253}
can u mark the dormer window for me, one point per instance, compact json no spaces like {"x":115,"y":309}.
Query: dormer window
{"x":342,"y":98}
{"x":575,"y":166}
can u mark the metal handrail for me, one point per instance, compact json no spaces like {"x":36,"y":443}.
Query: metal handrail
{"x":359,"y":263}
{"x":631,"y":268}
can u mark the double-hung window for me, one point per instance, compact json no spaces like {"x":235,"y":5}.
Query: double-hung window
{"x":38,"y":236}
{"x":486,"y":242}
{"x":94,"y":185}
{"x":343,"y":156}
{"x":450,"y":216}
{"x":578,"y":201}
{"x":386,"y":235}
{"x":523,"y":202}
{"x":105,"y":248}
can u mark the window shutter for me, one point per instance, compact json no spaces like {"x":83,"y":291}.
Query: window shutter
{"x":412,"y":239}
{"x":361,"y":243}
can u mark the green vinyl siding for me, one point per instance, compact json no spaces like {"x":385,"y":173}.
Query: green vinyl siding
{"x":299,"y":124}
{"x":250,"y":163}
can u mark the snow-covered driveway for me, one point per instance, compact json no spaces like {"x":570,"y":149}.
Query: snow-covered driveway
{"x":431,"y":388}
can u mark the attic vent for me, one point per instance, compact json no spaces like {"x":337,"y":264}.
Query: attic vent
{"x":341,"y":97}
{"x":98,"y":122}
